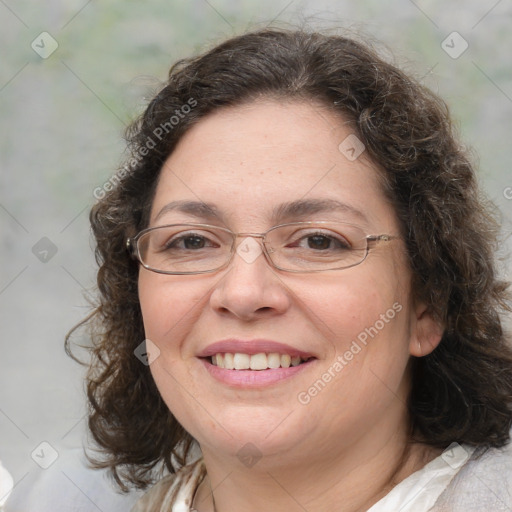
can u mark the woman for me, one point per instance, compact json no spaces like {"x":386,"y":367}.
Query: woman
{"x":299,"y":308}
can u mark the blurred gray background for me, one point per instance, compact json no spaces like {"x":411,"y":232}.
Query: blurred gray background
{"x":63,"y":109}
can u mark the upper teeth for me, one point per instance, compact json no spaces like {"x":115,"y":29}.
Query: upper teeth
{"x":262,"y":361}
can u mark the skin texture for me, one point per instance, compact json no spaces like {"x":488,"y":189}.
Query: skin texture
{"x":347,"y":444}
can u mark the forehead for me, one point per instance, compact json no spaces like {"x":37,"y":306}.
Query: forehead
{"x":252,"y":161}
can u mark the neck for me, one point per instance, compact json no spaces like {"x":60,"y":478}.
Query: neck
{"x":350,"y":481}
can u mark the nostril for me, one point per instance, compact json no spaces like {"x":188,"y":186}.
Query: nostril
{"x":263,"y":309}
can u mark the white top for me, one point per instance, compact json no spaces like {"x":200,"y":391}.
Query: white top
{"x":461,"y":479}
{"x":420,"y":491}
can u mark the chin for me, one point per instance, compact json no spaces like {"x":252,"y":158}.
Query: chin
{"x":252,"y":431}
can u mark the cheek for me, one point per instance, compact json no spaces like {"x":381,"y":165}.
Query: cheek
{"x":368,"y":331}
{"x":364,"y":317}
{"x":347,"y":306}
{"x":168,"y":304}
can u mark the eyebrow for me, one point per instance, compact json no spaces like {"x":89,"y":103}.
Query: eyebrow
{"x":285,"y":211}
{"x":305,"y":207}
{"x":198,"y":209}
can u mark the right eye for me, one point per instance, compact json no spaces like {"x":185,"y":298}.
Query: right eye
{"x":188,"y":242}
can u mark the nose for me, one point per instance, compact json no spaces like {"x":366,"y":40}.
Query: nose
{"x":251,"y":288}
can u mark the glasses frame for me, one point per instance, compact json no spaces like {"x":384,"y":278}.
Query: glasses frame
{"x":132,"y":245}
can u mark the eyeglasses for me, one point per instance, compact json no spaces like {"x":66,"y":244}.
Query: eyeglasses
{"x":295,"y":247}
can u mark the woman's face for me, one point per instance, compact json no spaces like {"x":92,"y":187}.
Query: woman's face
{"x":358,"y":326}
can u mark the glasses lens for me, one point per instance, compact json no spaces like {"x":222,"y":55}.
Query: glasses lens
{"x":185,"y":248}
{"x":316,"y":246}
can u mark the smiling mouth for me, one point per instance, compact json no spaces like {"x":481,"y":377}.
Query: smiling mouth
{"x":261,"y":361}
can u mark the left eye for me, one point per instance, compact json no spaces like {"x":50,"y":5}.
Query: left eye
{"x":322,"y":242}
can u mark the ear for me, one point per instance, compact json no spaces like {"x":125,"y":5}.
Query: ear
{"x":426,"y":332}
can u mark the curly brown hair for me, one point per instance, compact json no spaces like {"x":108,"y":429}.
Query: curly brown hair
{"x":462,"y":391}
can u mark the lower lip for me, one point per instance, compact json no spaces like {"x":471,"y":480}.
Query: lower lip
{"x":253,"y":378}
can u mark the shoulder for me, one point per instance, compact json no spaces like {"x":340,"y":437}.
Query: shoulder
{"x":173,"y":491}
{"x":483,"y":483}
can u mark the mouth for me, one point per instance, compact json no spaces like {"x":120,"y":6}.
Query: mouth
{"x":256,"y":362}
